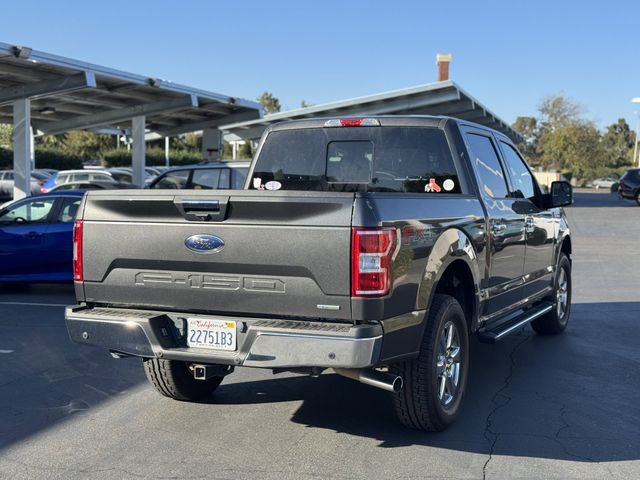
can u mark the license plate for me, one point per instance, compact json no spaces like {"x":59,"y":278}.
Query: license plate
{"x":213,"y":334}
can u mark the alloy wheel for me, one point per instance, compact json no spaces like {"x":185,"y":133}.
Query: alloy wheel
{"x":448,"y":366}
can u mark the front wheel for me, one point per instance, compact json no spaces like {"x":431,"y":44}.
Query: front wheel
{"x":435,"y":381}
{"x":556,"y":320}
{"x":638,"y":198}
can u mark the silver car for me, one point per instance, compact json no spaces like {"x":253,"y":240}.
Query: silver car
{"x":7,"y":182}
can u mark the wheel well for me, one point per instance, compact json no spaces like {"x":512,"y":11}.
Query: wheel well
{"x":457,"y":281}
{"x":566,"y":247}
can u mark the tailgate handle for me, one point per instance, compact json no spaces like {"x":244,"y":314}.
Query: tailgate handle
{"x":202,"y":210}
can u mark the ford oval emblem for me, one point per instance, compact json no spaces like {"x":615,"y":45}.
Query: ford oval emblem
{"x":203,"y":243}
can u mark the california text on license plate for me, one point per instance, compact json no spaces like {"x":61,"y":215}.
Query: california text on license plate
{"x":214,"y":334}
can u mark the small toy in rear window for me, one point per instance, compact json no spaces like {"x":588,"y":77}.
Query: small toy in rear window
{"x":432,"y":186}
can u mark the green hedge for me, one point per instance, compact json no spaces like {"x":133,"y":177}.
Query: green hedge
{"x":51,"y":158}
{"x":45,"y":158}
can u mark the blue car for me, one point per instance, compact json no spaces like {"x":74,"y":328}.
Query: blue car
{"x":36,"y":238}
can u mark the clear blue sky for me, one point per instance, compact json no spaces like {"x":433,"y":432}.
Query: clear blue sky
{"x":507,"y":54}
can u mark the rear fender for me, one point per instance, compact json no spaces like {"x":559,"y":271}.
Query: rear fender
{"x":403,"y":335}
{"x":452,"y":245}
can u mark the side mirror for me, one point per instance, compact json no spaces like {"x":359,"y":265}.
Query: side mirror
{"x":561,"y":194}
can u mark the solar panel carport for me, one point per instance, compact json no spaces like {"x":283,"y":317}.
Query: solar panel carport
{"x":439,"y":98}
{"x":54,"y":94}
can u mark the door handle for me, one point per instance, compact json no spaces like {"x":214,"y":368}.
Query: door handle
{"x":32,"y":235}
{"x":498,"y":229}
{"x":529,"y":224}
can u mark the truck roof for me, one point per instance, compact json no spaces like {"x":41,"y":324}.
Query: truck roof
{"x":437,"y":121}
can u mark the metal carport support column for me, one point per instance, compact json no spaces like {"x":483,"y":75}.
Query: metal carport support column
{"x":138,"y":150}
{"x":22,"y":148}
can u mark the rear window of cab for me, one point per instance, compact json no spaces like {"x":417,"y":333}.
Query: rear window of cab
{"x":357,"y":159}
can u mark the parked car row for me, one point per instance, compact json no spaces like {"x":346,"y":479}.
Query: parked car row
{"x":7,"y":181}
{"x":36,"y":232}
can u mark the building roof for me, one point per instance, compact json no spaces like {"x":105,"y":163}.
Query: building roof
{"x":439,"y":98}
{"x":69,"y":94}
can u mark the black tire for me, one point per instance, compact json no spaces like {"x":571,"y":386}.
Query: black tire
{"x":173,"y":379}
{"x":420,"y":405}
{"x":556,"y":320}
{"x":638,"y":197}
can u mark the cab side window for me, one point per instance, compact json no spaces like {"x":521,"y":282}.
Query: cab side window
{"x":522,"y":180}
{"x":485,"y":161}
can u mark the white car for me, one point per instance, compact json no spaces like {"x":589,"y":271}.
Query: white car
{"x":606,"y":182}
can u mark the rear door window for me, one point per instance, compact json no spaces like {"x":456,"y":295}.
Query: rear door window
{"x":486,"y":163}
{"x":358,"y":159}
{"x":69,"y":209}
{"x":520,"y":175}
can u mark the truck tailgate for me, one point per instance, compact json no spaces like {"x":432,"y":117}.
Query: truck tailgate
{"x":285,"y":254}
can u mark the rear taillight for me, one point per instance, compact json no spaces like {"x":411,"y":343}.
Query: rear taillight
{"x":371,"y":253}
{"x":77,"y":251}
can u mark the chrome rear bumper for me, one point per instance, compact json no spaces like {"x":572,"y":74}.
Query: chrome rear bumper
{"x":261,"y":343}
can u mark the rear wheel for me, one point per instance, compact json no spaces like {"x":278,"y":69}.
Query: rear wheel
{"x":556,"y":320}
{"x":175,"y":380}
{"x":435,"y":381}
{"x":638,"y":197}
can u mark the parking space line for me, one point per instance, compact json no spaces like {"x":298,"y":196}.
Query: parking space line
{"x":32,"y":304}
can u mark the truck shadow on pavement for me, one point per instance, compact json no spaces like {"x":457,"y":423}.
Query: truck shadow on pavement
{"x":569,"y":397}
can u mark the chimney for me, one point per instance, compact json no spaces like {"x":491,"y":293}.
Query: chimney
{"x":443,"y":60}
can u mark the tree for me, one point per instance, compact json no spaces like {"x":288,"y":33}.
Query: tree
{"x":528,"y":128}
{"x":574,"y":148}
{"x":86,"y":145}
{"x":6,"y":133}
{"x":270,"y":103}
{"x":227,"y":151}
{"x":566,"y":141}
{"x":51,"y":141}
{"x":618,"y":142}
{"x":557,"y":110}
{"x":245,"y":150}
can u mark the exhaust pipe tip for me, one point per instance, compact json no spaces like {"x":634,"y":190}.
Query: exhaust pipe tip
{"x":385,"y":381}
{"x":397,"y":384}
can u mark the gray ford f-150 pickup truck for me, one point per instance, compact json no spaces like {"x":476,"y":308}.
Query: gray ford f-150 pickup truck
{"x":371,"y":246}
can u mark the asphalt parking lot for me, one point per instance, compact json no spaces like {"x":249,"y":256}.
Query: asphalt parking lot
{"x":537,"y":407}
